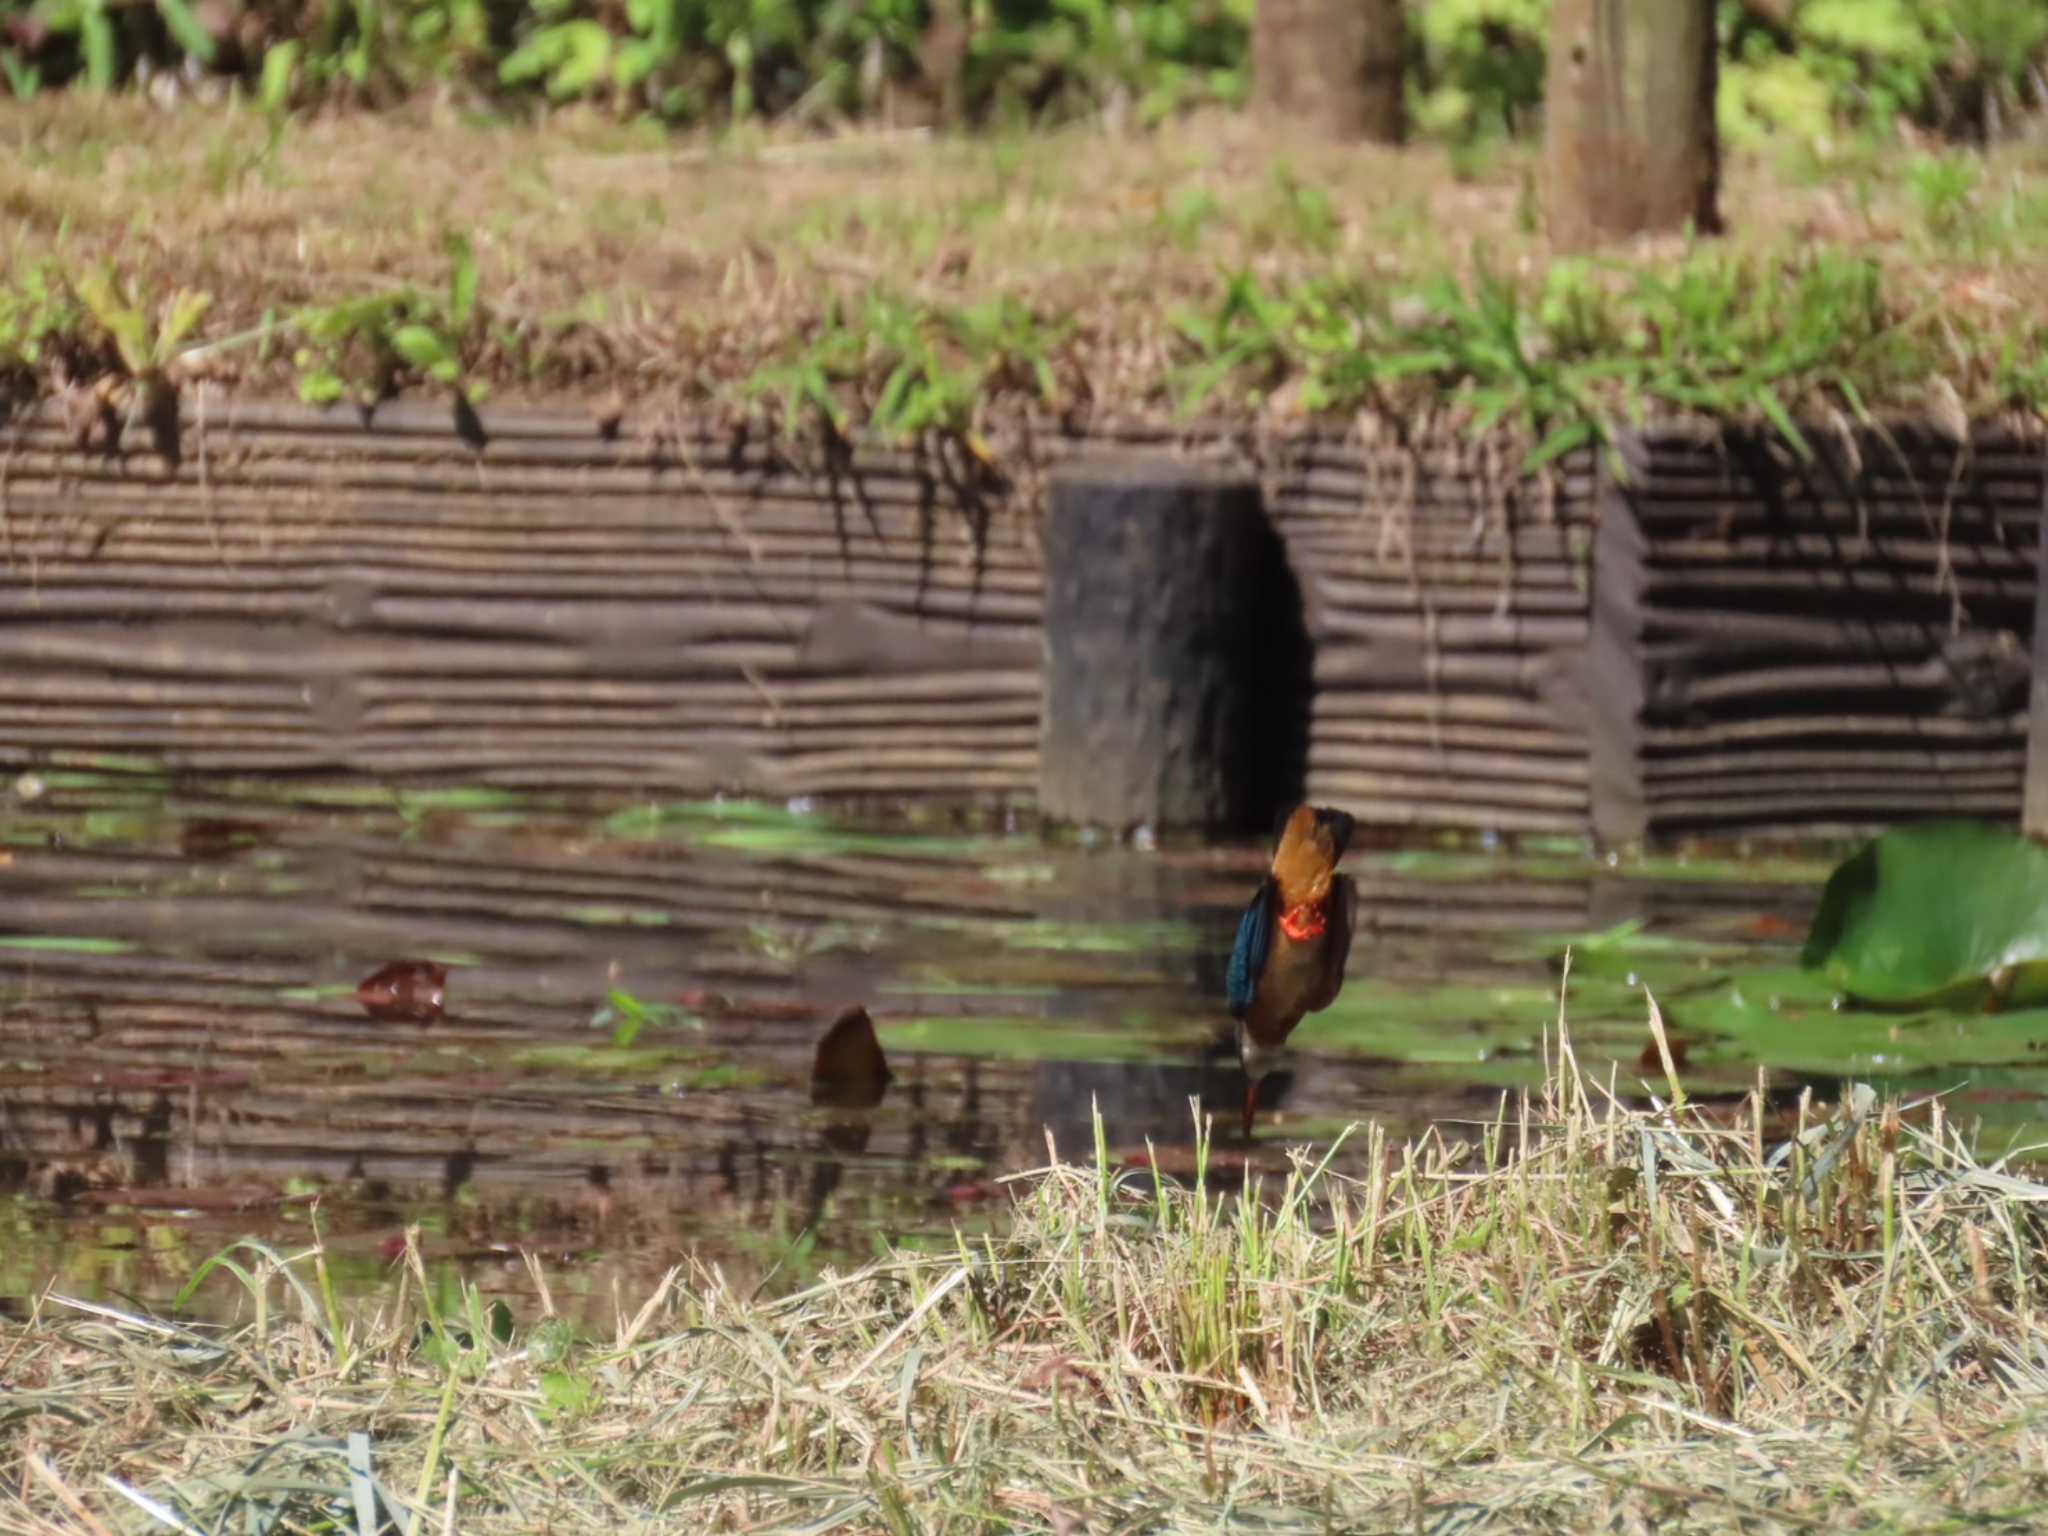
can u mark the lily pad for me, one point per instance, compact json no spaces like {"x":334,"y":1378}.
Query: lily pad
{"x":1938,"y":913}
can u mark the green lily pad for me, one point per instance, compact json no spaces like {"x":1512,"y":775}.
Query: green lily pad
{"x":1936,"y":914}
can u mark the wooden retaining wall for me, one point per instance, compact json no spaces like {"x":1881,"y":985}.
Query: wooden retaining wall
{"x":1818,"y":646}
{"x":1778,"y":646}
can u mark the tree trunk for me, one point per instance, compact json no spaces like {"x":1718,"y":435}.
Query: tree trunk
{"x":1630,"y":139}
{"x":1334,"y":65}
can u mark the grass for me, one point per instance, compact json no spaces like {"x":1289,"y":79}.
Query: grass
{"x":911,"y":283}
{"x":1720,"y":1318}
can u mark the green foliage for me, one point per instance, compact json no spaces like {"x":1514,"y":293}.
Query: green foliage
{"x":146,"y":346}
{"x":1560,"y":357}
{"x":100,"y":38}
{"x":904,"y":368}
{"x":1927,"y":911}
{"x":1476,"y":67}
{"x":1953,"y":65}
{"x":361,"y":346}
{"x":1145,"y":58}
{"x":1481,"y":68}
{"x":39,"y":316}
{"x":680,"y":60}
{"x":626,"y":1016}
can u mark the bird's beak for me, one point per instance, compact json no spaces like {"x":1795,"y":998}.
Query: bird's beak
{"x":1340,"y":825}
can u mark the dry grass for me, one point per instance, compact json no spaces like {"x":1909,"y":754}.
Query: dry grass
{"x":624,"y":256}
{"x":1595,"y":1319}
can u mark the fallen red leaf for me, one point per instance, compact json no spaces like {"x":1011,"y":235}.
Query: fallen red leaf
{"x":1771,"y":925}
{"x":1651,"y":1061}
{"x":406,"y":989}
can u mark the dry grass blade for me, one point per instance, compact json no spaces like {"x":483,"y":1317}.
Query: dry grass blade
{"x":1598,"y":1318}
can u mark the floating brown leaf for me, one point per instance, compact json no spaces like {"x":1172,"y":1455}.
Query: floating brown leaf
{"x":849,"y":1071}
{"x":1652,"y":1061}
{"x":406,"y":989}
{"x":212,"y":838}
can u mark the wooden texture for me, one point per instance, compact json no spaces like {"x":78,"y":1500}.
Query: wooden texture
{"x":1334,"y":66}
{"x":680,"y":610}
{"x":1832,"y":645}
{"x":1630,"y":141}
{"x":1156,"y":657}
{"x":2034,"y":809}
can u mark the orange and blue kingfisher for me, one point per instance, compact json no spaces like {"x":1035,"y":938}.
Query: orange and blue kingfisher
{"x":1292,"y":942}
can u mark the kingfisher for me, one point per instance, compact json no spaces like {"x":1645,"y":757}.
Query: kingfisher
{"x":1292,"y":941}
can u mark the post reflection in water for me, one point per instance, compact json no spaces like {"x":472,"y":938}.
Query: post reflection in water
{"x":619,"y":1035}
{"x":849,"y":1076}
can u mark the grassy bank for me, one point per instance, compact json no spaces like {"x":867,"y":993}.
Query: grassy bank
{"x":1753,"y":1317}
{"x":899,"y":283}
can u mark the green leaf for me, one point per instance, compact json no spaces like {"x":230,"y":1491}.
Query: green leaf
{"x":185,"y":28}
{"x":531,"y":59}
{"x":24,"y":80}
{"x":1931,"y":911}
{"x":462,"y":281}
{"x":566,"y":1392}
{"x":1774,"y":412}
{"x":636,"y":61}
{"x":320,"y":387}
{"x":187,"y":308}
{"x":275,"y":91}
{"x":423,"y":347}
{"x":586,"y":61}
{"x":119,"y":316}
{"x":1559,"y":443}
{"x":97,"y":34}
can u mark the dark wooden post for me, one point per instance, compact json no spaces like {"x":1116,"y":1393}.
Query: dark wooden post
{"x":1155,"y":653}
{"x":1616,"y":687}
{"x":2034,"y":815}
{"x":1629,"y":142}
{"x":1334,"y":65}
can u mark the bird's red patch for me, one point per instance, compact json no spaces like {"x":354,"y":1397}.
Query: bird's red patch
{"x":1304,"y":922}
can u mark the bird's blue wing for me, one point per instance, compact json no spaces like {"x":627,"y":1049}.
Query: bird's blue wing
{"x":1248,"y":957}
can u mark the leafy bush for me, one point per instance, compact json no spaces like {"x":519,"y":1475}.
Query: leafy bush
{"x":1563,"y":358}
{"x":1792,"y":68}
{"x":681,"y":60}
{"x":1953,"y":65}
{"x":1480,"y":73}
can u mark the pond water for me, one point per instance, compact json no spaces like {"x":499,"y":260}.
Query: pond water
{"x":621,"y":1077}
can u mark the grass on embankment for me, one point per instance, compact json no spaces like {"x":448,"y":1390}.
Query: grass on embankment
{"x":906,"y":283}
{"x":1612,"y":1320}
